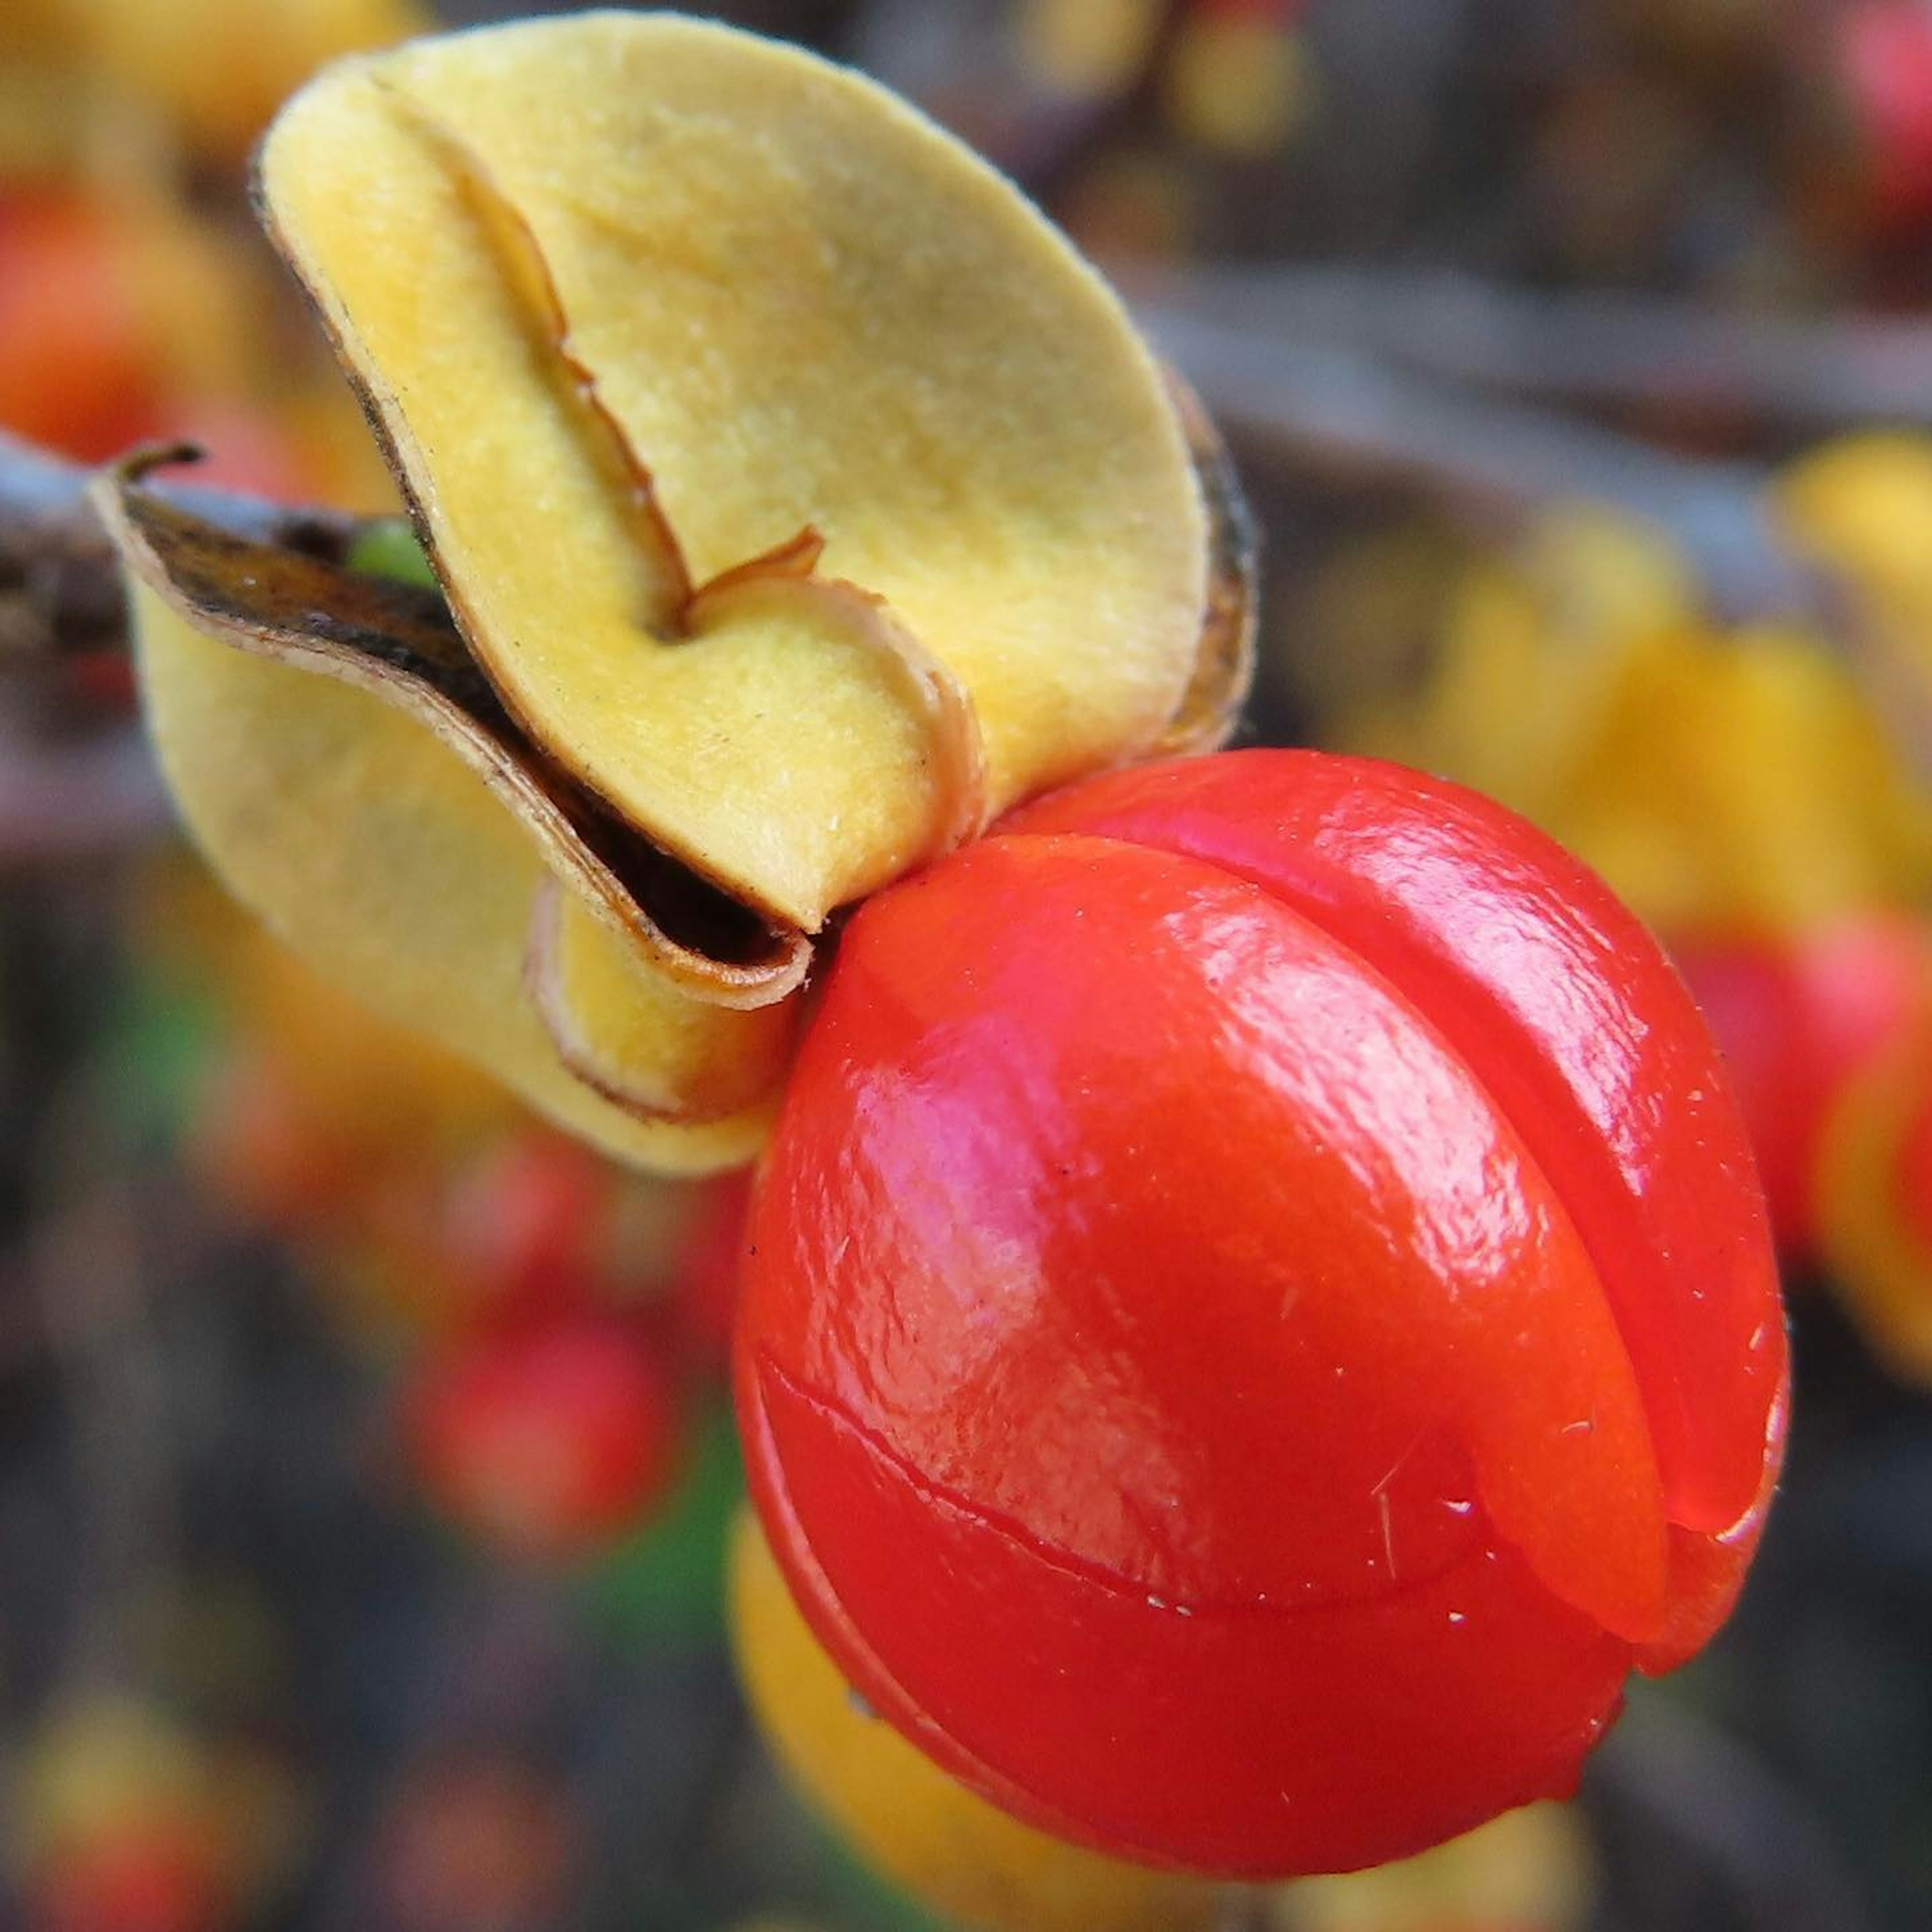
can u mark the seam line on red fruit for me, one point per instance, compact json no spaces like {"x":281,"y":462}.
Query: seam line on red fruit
{"x":1104,"y":1576}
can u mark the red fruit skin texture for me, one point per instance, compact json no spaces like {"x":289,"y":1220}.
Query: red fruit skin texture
{"x":548,"y":1438}
{"x":1259,"y":1315}
{"x":1799,"y":1016}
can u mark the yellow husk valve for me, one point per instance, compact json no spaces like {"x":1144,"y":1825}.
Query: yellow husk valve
{"x":800,"y":500}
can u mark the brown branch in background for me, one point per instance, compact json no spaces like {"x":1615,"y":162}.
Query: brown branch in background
{"x":59,"y":592}
{"x":60,"y":585}
{"x":1346,"y":412}
{"x":1586,"y":347}
{"x":64,"y":797}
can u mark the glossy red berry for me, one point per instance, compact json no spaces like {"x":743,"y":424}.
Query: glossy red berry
{"x":1258,"y":1314}
{"x":547,"y":1439}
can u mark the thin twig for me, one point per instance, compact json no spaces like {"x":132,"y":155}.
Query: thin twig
{"x":60,"y":586}
{"x":65,"y":799}
{"x":1588,"y":347}
{"x":1495,"y":463}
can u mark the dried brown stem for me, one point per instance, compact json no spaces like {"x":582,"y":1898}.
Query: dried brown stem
{"x":1588,"y":347}
{"x":60,"y":582}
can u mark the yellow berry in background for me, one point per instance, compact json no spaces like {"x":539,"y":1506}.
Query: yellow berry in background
{"x":1862,"y":506}
{"x":955,"y":1853}
{"x":1085,"y":47}
{"x":1238,"y":85}
{"x":217,"y":69}
{"x":1530,"y":1870}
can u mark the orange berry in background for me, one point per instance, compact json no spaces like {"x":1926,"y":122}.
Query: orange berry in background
{"x":78,"y":369}
{"x":529,"y":1224}
{"x":483,"y":1840}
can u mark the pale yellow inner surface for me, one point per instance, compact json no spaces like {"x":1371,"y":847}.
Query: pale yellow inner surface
{"x":804,"y":304}
{"x":625,"y":1029}
{"x":381,"y":856}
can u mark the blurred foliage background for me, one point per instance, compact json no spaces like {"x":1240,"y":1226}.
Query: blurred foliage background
{"x":365,"y":1470}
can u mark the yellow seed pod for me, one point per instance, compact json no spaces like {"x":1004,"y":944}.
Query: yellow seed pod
{"x":1536,"y":645}
{"x":358,"y":789}
{"x":944,"y":1844}
{"x":824,"y":501}
{"x":799,"y":499}
{"x":1237,"y":85}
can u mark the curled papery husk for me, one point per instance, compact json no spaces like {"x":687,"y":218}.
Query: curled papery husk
{"x":824,"y":503}
{"x":354,"y":781}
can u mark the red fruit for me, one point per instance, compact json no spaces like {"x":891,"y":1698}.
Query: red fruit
{"x":1258,"y":1314}
{"x":547,"y":1439}
{"x":1799,"y":1016}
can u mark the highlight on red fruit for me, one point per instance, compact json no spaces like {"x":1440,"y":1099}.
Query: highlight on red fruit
{"x":548,"y":1438}
{"x":1799,"y":1016}
{"x":1259,"y":1315}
